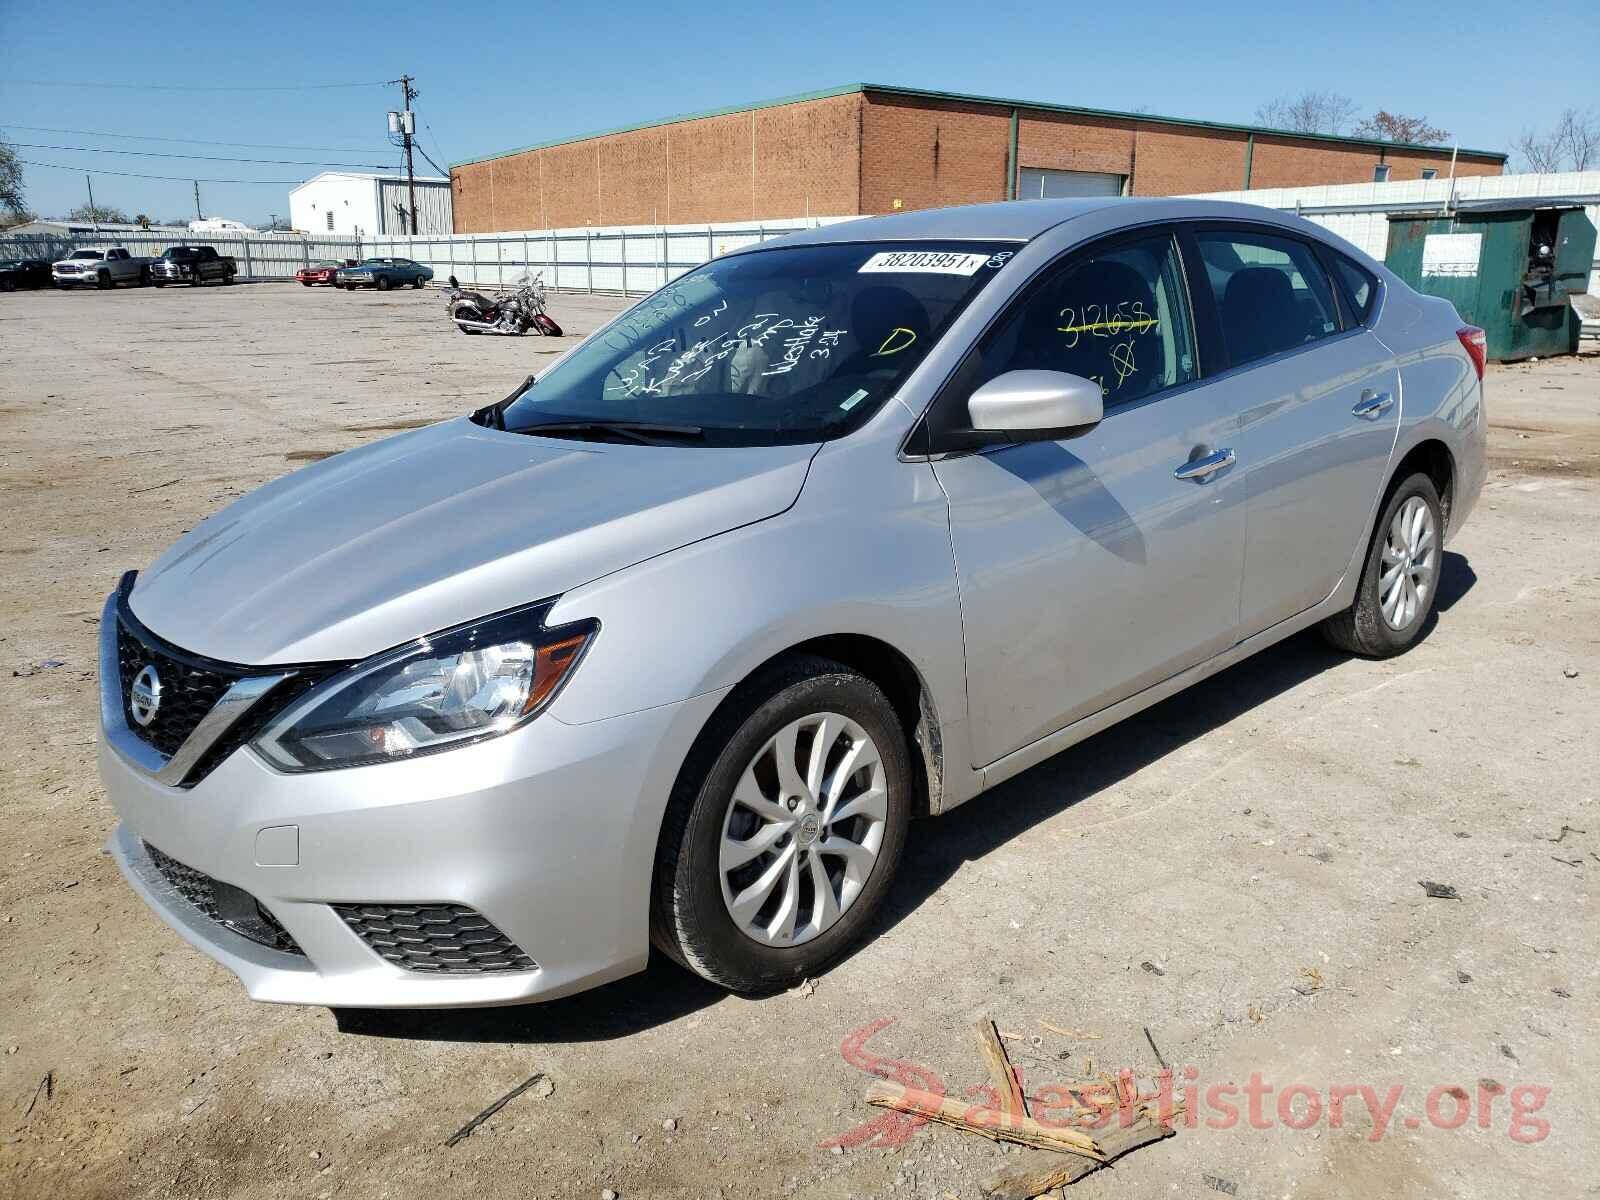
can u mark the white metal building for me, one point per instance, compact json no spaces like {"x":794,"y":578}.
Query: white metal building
{"x":366,"y":204}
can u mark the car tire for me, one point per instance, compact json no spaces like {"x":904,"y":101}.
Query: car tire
{"x":102,"y":280}
{"x":1400,"y":577}
{"x":383,"y":283}
{"x":227,"y":277}
{"x":692,"y":911}
{"x":144,"y":276}
{"x":305,"y":283}
{"x":196,"y":279}
{"x":418,"y":282}
{"x":8,"y":285}
{"x":158,"y":283}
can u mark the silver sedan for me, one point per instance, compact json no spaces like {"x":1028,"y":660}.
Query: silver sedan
{"x":667,"y":648}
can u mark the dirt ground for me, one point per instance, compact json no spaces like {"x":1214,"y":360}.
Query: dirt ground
{"x":1236,"y":870}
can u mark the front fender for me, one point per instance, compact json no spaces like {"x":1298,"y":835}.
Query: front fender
{"x":864,"y":550}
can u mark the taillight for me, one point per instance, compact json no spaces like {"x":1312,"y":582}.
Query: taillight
{"x":1476,"y":345}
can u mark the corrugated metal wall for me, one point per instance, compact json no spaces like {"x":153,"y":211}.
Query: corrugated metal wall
{"x":433,"y":207}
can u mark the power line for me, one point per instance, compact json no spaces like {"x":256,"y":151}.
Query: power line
{"x":169,"y":178}
{"x":150,"y":137}
{"x":184,"y":87}
{"x":276,"y":162}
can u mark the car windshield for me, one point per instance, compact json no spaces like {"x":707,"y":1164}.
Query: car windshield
{"x":87,"y":254}
{"x":10,"y":264}
{"x":783,"y":345}
{"x":183,"y":252}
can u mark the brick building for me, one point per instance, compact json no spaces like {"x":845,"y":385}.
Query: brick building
{"x":867,"y":148}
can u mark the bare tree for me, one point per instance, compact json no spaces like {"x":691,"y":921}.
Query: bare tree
{"x":101,"y":214}
{"x":1310,"y":112}
{"x":1573,"y":144}
{"x":1386,"y":126}
{"x":12,"y":203}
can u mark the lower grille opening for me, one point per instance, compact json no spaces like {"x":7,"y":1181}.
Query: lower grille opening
{"x":231,"y":907}
{"x":439,"y":939}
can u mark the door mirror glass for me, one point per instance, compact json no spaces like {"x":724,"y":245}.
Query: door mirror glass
{"x":1035,"y":405}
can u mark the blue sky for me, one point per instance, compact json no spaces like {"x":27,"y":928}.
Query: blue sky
{"x":497,"y":76}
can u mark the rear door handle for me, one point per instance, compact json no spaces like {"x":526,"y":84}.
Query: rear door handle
{"x":1204,"y":468}
{"x":1373,"y":404}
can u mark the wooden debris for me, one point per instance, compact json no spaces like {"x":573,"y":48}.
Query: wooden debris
{"x":1041,"y":1172}
{"x":986,"y":1122}
{"x":1007,"y":1087}
{"x":47,"y":1088}
{"x":1076,"y":1034}
{"x":465,"y":1131}
{"x":1138,"y":1121}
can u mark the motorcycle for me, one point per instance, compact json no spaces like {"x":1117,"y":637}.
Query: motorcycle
{"x":512,"y":315}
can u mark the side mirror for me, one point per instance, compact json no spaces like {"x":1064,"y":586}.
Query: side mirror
{"x":1035,"y":405}
{"x":453,"y":282}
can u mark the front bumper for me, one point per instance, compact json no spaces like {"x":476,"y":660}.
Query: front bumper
{"x":549,"y":832}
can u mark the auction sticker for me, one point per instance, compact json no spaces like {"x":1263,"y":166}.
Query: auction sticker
{"x":923,"y":262}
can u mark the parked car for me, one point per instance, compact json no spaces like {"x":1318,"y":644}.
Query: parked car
{"x":320,"y":274}
{"x":193,"y":265}
{"x":102,"y":266}
{"x":24,"y":273}
{"x":669,"y":645}
{"x":383,"y":274}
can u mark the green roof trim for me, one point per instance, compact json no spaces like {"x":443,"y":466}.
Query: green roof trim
{"x":889,"y":89}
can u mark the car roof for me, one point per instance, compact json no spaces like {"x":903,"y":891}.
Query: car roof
{"x":1013,"y":220}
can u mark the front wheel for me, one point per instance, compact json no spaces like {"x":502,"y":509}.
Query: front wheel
{"x":418,"y":282}
{"x":383,"y":283}
{"x":103,"y":280}
{"x":784,"y":829}
{"x":227,"y":277}
{"x":546,"y":325}
{"x":1400,"y":578}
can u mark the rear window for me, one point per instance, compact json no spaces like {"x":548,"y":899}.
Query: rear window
{"x":1360,"y":288}
{"x":1272,"y":294}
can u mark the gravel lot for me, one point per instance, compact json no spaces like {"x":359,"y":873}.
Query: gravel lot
{"x":1236,"y":869}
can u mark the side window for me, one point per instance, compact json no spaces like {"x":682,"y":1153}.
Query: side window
{"x":1359,"y":287}
{"x":1116,"y":316}
{"x":1271,"y":292}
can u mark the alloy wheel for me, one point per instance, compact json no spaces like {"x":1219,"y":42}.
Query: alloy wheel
{"x":803,"y":830}
{"x":1410,"y":564}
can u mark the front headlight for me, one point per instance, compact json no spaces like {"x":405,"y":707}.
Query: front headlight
{"x":466,"y":684}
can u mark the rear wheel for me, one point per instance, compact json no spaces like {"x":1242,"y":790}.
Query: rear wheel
{"x":1400,"y":577}
{"x":784,"y":829}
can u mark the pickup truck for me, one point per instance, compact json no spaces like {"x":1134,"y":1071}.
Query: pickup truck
{"x":103,"y":266}
{"x":192,"y":265}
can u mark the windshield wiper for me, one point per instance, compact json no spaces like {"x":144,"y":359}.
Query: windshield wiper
{"x":649,"y":433}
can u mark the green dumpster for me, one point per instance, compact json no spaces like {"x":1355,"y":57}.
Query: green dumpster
{"x":1509,"y":266}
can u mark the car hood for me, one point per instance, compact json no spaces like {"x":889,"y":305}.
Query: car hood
{"x":379,"y":545}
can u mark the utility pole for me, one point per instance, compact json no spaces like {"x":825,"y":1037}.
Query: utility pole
{"x":408,"y":94}
{"x":198,"y":215}
{"x":94,"y":214}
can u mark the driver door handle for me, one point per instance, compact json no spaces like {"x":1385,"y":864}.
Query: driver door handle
{"x":1373,"y":404}
{"x":1203,"y":469}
